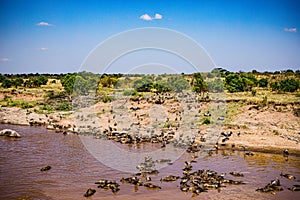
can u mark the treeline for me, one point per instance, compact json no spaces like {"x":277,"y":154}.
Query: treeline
{"x":217,"y":80}
{"x":280,"y":82}
{"x":32,"y":82}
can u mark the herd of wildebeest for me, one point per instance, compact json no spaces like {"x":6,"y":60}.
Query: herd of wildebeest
{"x":190,"y":181}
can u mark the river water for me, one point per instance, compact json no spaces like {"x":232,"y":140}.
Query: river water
{"x":74,"y":170}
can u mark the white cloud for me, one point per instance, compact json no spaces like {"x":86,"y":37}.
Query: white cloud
{"x":43,"y":49}
{"x":292,"y":30}
{"x":4,"y":59}
{"x":147,"y":17}
{"x":44,"y":24}
{"x":158,"y":16}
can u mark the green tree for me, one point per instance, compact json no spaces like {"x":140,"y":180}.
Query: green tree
{"x":17,"y":82}
{"x":216,"y":85}
{"x":2,"y":78}
{"x":143,"y":85}
{"x":249,"y":81}
{"x":234,"y":83}
{"x":80,"y":86}
{"x":6,"y":83}
{"x":263,"y":82}
{"x":108,"y":81}
{"x":198,"y":84}
{"x":41,"y":80}
{"x":289,"y":85}
{"x":67,"y":82}
{"x":177,"y":83}
{"x":275,"y":86}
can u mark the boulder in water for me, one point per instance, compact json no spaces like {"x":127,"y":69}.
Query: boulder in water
{"x":89,"y":192}
{"x":46,"y":168}
{"x":10,"y":133}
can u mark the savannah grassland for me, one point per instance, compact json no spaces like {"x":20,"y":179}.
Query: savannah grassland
{"x":260,"y":106}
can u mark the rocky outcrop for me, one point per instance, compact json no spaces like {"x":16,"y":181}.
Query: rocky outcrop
{"x":9,"y":133}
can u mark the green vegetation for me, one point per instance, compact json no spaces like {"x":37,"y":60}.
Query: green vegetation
{"x":174,"y":83}
{"x":276,"y":132}
{"x":263,"y":82}
{"x":55,"y":91}
{"x":198,"y":84}
{"x":216,"y":85}
{"x":130,"y":93}
{"x":65,"y":106}
{"x":253,"y":91}
{"x":206,"y":120}
{"x":236,"y":82}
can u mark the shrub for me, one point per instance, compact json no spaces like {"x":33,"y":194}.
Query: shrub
{"x":64,"y":106}
{"x":206,"y":120}
{"x":253,"y":92}
{"x":47,"y":107}
{"x":276,"y":132}
{"x":289,"y":85}
{"x":26,"y":105}
{"x":275,"y":86}
{"x":106,"y":99}
{"x":263,"y":82}
{"x":6,"y":83}
{"x":130,"y":93}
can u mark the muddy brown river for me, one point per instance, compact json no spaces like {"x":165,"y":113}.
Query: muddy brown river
{"x":74,"y":170}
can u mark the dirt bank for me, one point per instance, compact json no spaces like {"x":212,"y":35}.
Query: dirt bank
{"x":270,"y":129}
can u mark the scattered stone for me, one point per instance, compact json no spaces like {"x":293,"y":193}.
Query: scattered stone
{"x":10,"y":133}
{"x":89,"y":192}
{"x":46,"y":168}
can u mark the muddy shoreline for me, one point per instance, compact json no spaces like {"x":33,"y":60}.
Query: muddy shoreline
{"x":253,"y":140}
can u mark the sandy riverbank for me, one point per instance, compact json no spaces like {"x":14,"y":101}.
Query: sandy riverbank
{"x":271,"y":129}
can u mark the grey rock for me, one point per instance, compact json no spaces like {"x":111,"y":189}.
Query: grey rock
{"x":9,"y":133}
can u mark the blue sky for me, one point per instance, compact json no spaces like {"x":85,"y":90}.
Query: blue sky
{"x":56,"y":36}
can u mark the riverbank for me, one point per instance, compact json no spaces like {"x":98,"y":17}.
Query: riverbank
{"x":269,"y":129}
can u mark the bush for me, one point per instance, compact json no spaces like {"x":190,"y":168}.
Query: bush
{"x":206,"y":120}
{"x":130,"y":93}
{"x":240,"y":82}
{"x":143,"y":85}
{"x":199,"y":85}
{"x":264,"y":101}
{"x":17,"y":82}
{"x":286,"y":85}
{"x":64,"y":106}
{"x":2,"y":78}
{"x":67,"y":82}
{"x":216,"y":85}
{"x":26,"y":105}
{"x":106,"y":99}
{"x":47,"y":108}
{"x":6,"y":83}
{"x":289,"y":85}
{"x":253,"y":92}
{"x":263,"y":82}
{"x":275,"y":86}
